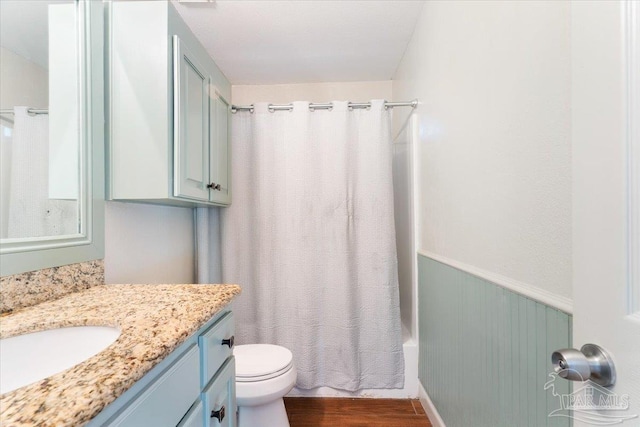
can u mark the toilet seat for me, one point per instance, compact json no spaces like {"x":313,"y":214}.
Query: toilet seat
{"x":259,"y":362}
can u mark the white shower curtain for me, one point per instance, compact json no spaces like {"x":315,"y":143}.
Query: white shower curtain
{"x":310,"y":236}
{"x":31,"y":212}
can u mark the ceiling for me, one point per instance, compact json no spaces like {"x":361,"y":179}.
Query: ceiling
{"x":24,"y":28}
{"x":298,"y":41}
{"x":265,"y":41}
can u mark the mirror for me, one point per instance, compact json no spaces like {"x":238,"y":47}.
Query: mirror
{"x":39,"y":122}
{"x":51,"y":133}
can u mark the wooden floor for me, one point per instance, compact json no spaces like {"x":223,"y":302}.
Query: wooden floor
{"x":340,"y":412}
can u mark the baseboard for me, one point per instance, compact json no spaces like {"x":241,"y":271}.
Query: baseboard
{"x":429,"y":408}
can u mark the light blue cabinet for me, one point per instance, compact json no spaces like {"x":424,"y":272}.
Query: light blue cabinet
{"x":167,"y":398}
{"x":192,"y":387}
{"x":168,"y":110}
{"x":193,"y":418}
{"x":219,"y":397}
{"x":220,"y":120}
{"x":191,"y":124}
{"x":201,"y":130}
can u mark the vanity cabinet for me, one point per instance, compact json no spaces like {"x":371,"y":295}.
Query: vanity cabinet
{"x":167,"y":398}
{"x":219,"y":397}
{"x":168,"y":109}
{"x":218,"y":383}
{"x":192,"y":387}
{"x":194,"y":417}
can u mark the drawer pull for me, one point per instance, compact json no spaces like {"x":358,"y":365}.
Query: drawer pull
{"x":219,"y":414}
{"x":228,"y":341}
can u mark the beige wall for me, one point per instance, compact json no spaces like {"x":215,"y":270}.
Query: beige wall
{"x":22,"y":82}
{"x":148,"y":244}
{"x":312,"y":92}
{"x":493,"y":138}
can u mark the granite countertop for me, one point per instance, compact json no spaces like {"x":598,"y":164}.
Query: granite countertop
{"x":153,"y":319}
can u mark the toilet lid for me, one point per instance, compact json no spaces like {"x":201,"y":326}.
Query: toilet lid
{"x":256,"y":362}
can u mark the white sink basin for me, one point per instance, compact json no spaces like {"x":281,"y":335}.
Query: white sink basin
{"x":25,"y":359}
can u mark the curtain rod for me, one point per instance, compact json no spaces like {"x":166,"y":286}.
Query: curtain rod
{"x":29,"y":111}
{"x":328,"y":106}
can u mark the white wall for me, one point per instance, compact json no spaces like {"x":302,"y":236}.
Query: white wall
{"x":148,"y":244}
{"x":494,"y":155}
{"x":312,"y":92}
{"x":404,"y":220}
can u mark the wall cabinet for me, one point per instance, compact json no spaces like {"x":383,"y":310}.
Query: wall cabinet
{"x":193,"y":387}
{"x":220,"y":172}
{"x":168,"y":110}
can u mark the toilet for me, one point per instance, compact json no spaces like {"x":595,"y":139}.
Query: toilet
{"x":264,"y":374}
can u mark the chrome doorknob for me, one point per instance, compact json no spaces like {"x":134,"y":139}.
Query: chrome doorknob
{"x":592,"y":362}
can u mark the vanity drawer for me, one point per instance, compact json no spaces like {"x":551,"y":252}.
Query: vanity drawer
{"x":219,"y":397}
{"x":216,"y":345}
{"x":165,"y":400}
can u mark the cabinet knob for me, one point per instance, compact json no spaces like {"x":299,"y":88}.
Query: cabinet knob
{"x":228,"y":341}
{"x":214,"y":186}
{"x":219,"y":414}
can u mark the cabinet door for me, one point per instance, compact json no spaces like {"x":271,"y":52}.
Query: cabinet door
{"x":191,"y":124}
{"x":219,"y":397}
{"x":220,"y":117}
